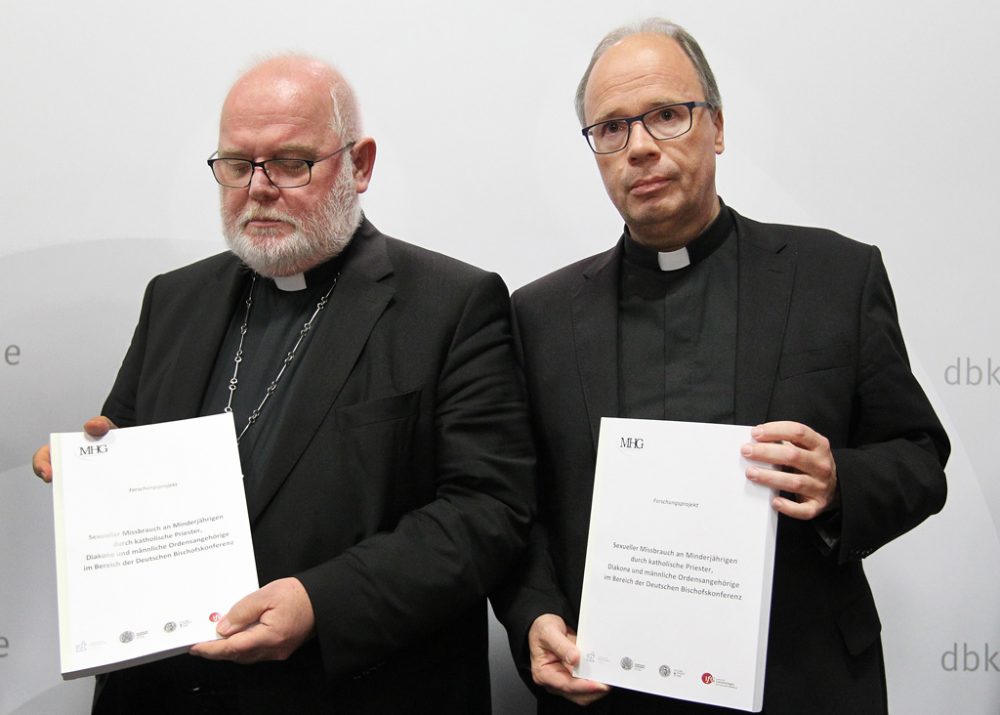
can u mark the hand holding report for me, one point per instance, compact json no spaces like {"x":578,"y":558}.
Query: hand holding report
{"x":152,"y":540}
{"x":680,"y":557}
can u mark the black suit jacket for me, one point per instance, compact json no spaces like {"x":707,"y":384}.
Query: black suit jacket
{"x":402,"y":489}
{"x":818,"y":342}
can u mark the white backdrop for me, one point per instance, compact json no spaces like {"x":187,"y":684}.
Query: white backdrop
{"x":878,"y":120}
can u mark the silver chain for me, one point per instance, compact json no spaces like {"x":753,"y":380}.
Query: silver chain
{"x":289,"y":356}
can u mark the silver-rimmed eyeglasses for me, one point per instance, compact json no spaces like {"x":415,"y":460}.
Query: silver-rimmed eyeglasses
{"x":667,"y":122}
{"x":283,"y":173}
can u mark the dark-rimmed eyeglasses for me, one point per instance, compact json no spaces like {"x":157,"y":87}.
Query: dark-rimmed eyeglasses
{"x":282,"y":173}
{"x":667,"y":122}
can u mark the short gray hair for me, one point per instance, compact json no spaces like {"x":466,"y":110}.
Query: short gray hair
{"x":345,"y":119}
{"x":654,"y":26}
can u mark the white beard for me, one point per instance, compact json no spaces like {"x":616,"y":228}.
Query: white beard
{"x":317,"y":237}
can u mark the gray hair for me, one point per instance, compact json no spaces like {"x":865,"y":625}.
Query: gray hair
{"x":655,"y":26}
{"x":345,"y":118}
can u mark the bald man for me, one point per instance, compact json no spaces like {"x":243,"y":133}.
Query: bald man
{"x":388,"y":466}
{"x":699,"y":314}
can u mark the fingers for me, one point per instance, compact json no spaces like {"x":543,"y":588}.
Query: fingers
{"x":818,"y":462}
{"x":552,"y":636}
{"x":249,"y":646}
{"x":786,"y":431}
{"x":553,"y":650}
{"x":801,"y":496}
{"x":268,"y":624}
{"x":786,"y":443}
{"x":556,"y":677}
{"x":41,"y":463}
{"x":801,"y":510}
{"x":246,"y":612}
{"x":577,"y":690}
{"x":803,"y":468}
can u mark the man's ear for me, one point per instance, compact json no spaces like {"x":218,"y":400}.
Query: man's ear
{"x":363,"y":157}
{"x":720,"y":142}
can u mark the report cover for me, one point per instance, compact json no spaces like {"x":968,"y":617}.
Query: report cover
{"x":152,"y":540}
{"x":680,"y":559}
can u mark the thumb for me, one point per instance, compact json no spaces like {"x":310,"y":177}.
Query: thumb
{"x":98,"y":426}
{"x":244,"y":613}
{"x":568,"y":652}
{"x":560,"y":643}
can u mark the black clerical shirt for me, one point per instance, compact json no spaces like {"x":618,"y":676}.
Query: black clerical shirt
{"x":276,"y":317}
{"x":677,"y":330}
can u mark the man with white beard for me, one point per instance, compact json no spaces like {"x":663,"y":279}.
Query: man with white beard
{"x":382,"y":432}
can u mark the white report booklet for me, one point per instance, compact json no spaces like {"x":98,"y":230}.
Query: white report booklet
{"x":680,"y":558}
{"x":152,"y":540}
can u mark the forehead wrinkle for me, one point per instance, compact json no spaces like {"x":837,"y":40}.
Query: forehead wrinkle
{"x":634,"y":96}
{"x":273,"y":124}
{"x":266,"y":111}
{"x":248,"y":137}
{"x":277,"y":99}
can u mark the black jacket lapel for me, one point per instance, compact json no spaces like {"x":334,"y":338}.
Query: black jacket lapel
{"x":595,"y":335}
{"x":354,"y":308}
{"x":199,"y":344}
{"x":767,"y":274}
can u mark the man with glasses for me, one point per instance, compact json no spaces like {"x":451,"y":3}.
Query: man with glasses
{"x":382,"y":432}
{"x":699,"y":314}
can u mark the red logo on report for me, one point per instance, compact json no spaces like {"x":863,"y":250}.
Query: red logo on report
{"x":707,"y":678}
{"x":214,"y":618}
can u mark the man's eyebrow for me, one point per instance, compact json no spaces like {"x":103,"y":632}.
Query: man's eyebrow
{"x":296,"y":151}
{"x":285,"y":151}
{"x":610,"y":117}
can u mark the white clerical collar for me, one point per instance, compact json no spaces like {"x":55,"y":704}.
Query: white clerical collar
{"x":291,"y":283}
{"x":673,"y":260}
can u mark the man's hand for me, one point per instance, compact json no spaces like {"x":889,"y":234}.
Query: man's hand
{"x":553,"y":650}
{"x":804,"y":468}
{"x":41,"y":463}
{"x":269,"y":624}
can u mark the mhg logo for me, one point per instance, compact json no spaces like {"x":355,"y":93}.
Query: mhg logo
{"x":93,"y":449}
{"x":630,"y":443}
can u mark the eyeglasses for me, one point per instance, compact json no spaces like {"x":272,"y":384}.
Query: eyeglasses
{"x":282,"y":173}
{"x":667,"y":122}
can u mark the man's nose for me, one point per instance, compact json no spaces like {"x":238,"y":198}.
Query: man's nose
{"x":261,"y":188}
{"x":641,"y":142}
